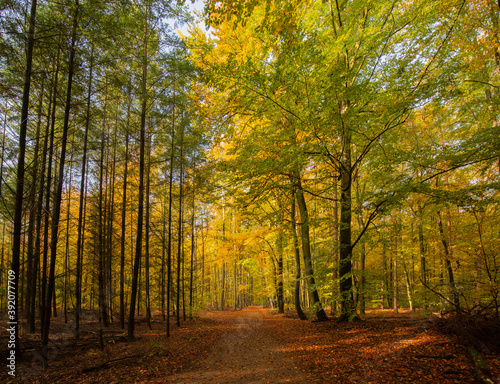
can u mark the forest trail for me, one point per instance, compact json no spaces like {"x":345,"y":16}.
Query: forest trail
{"x":249,"y":352}
{"x":258,"y":345}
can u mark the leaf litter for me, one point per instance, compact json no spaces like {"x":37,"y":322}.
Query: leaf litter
{"x":257,"y":345}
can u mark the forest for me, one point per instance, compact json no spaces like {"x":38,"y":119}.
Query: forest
{"x":323,"y":159}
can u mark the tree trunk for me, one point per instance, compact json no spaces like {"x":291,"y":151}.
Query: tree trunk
{"x":179,"y":232}
{"x":123,"y":224}
{"x":383,"y":297}
{"x":81,"y":212}
{"x":191,"y":269}
{"x":335,"y":238}
{"x":140,"y":209}
{"x":58,"y":195}
{"x":31,"y":262}
{"x":298,"y":308}
{"x":451,"y":280}
{"x":409,"y":285}
{"x":169,"y":247}
{"x":66,"y":253}
{"x":223,"y":287}
{"x":148,"y":186}
{"x":395,"y":266}
{"x":202,"y":295}
{"x":279,"y":263}
{"x":18,"y":207}
{"x":44,"y":305}
{"x":362,"y":256}
{"x":306,"y":252}
{"x":39,"y":216}
{"x":423,"y":267}
{"x":347,"y":305}
{"x":163,"y":260}
{"x":103,"y":315}
{"x":110,"y":229}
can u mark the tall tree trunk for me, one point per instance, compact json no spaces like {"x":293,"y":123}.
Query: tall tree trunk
{"x":31,"y":262}
{"x":423,"y":266}
{"x":335,"y":238}
{"x":148,"y":185}
{"x":306,"y":250}
{"x":5,"y":121}
{"x":18,"y":207}
{"x":163,"y":260}
{"x":110,"y":228}
{"x":81,"y":220}
{"x":202,"y":295}
{"x":395,"y":265}
{"x":123,"y":224}
{"x":66,"y":253}
{"x":39,"y":216}
{"x":58,"y":195}
{"x":179,"y":233}
{"x":362,"y":256}
{"x":383,"y":297}
{"x":169,"y":247}
{"x":348,"y":306}
{"x":223,"y":287}
{"x":191,"y":269}
{"x":279,"y":263}
{"x":103,"y":313}
{"x":451,"y":280}
{"x":44,"y":304}
{"x":298,"y":308}
{"x":140,"y":209}
{"x":2,"y":266}
{"x":409,"y":285}
{"x":235,"y":286}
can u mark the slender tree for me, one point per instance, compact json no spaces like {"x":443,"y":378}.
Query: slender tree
{"x":58,"y":195}
{"x":18,"y":208}
{"x":142,"y":144}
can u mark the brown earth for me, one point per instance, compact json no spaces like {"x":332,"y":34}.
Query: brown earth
{"x":254,"y":345}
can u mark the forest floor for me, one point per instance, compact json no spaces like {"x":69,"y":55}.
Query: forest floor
{"x":254,"y":345}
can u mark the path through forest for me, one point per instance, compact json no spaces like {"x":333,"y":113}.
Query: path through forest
{"x":249,"y":352}
{"x":257,"y":345}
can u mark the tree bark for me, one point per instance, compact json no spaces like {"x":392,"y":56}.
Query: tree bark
{"x":169,"y":247}
{"x":335,"y":238}
{"x":192,"y":269}
{"x":423,"y":266}
{"x":140,"y":209}
{"x":123,"y":223}
{"x":101,"y":231}
{"x":298,"y":308}
{"x":395,"y":265}
{"x":44,"y":303}
{"x":362,"y":256}
{"x":79,"y":242}
{"x":179,"y":232}
{"x":18,"y":207}
{"x":347,"y":305}
{"x":58,"y":195}
{"x":31,"y":262}
{"x":148,"y":186}
{"x":306,"y":251}
{"x":449,"y":269}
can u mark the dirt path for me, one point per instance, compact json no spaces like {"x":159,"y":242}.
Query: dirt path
{"x":257,"y":345}
{"x":250,"y":352}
